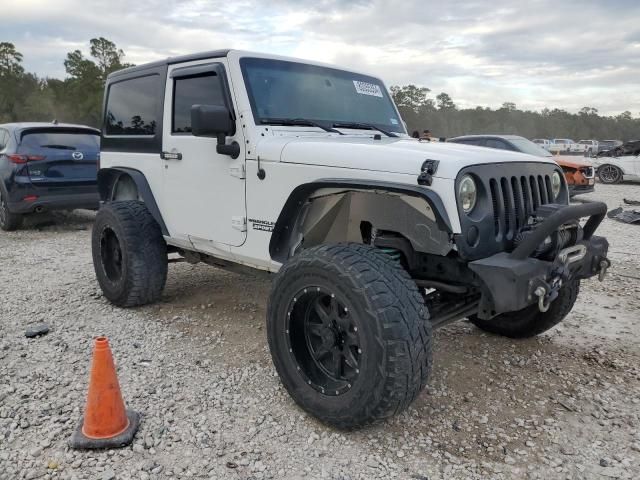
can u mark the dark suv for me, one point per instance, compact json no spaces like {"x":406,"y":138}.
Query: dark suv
{"x":46,"y":166}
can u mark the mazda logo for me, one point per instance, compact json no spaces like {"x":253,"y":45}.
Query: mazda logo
{"x":77,"y":155}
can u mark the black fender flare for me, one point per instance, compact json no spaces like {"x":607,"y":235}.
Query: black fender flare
{"x":107,"y":178}
{"x":283,"y":227}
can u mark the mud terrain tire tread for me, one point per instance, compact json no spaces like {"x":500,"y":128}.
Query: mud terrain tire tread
{"x":398,"y":318}
{"x":144,"y":254}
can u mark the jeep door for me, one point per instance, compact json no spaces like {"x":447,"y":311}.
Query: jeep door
{"x":204,"y":191}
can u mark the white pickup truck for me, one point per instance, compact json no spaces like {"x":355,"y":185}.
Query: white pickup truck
{"x":561,"y":145}
{"x":587,"y":147}
{"x":542,"y":143}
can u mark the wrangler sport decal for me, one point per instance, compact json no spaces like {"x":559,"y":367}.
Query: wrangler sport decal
{"x":263,"y":225}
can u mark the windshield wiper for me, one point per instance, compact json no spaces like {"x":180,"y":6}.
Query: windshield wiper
{"x":363,"y":126}
{"x":298,"y":122}
{"x":59,"y":147}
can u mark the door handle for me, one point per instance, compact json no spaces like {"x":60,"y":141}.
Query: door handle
{"x":171,"y":156}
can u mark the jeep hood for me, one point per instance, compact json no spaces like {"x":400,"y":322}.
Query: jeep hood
{"x":394,"y":155}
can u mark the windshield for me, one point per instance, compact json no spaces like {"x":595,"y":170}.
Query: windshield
{"x":288,"y":90}
{"x":526,"y":146}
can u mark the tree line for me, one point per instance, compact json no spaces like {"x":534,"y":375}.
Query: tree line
{"x":25,"y":96}
{"x":443,"y":118}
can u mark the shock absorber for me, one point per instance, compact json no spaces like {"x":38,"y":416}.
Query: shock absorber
{"x":392,"y":252}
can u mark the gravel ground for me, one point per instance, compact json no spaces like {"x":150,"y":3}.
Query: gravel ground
{"x":196,"y":365}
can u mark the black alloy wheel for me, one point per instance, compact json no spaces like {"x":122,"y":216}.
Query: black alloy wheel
{"x":111,"y":254}
{"x":323,"y":340}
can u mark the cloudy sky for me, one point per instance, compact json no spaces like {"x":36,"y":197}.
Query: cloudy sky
{"x":538,"y":53}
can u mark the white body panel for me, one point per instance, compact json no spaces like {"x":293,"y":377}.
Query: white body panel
{"x":199,"y":197}
{"x":203,"y":192}
{"x":397,"y":155}
{"x":282,"y":178}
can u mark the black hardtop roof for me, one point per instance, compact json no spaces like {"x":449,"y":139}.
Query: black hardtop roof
{"x":170,"y":61}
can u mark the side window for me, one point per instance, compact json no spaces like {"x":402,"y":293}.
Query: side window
{"x":204,"y":89}
{"x":493,"y":143}
{"x":4,"y":138}
{"x":131,"y":106}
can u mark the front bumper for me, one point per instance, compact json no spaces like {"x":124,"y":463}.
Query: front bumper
{"x":513,"y":281}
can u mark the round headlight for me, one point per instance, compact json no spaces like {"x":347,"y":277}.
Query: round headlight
{"x":467,"y":193}
{"x":556,"y":184}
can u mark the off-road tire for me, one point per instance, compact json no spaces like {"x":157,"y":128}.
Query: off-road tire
{"x":392,"y":319}
{"x":8,"y":221}
{"x":610,"y":174}
{"x":530,"y":321}
{"x":140,"y":275}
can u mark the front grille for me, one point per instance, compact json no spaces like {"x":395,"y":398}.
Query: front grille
{"x":508,"y":193}
{"x":514,"y":198}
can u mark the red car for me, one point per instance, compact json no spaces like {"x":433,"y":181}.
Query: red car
{"x":580,"y":175}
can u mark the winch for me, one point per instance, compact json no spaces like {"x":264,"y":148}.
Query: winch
{"x":565,"y":236}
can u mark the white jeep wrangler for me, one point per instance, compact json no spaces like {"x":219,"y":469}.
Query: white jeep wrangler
{"x":243,"y":160}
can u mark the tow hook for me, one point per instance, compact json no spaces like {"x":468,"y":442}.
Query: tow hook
{"x":547,"y":295}
{"x":541,"y":293}
{"x":604,"y":265}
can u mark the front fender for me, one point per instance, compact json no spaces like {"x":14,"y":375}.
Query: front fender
{"x":285,"y":225}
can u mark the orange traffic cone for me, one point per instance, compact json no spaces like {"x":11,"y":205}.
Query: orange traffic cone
{"x":106,"y":423}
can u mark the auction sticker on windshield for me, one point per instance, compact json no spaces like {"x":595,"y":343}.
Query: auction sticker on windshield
{"x":364,"y":88}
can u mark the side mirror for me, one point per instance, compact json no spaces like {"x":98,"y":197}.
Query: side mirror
{"x":215,"y":121}
{"x":211,"y":121}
